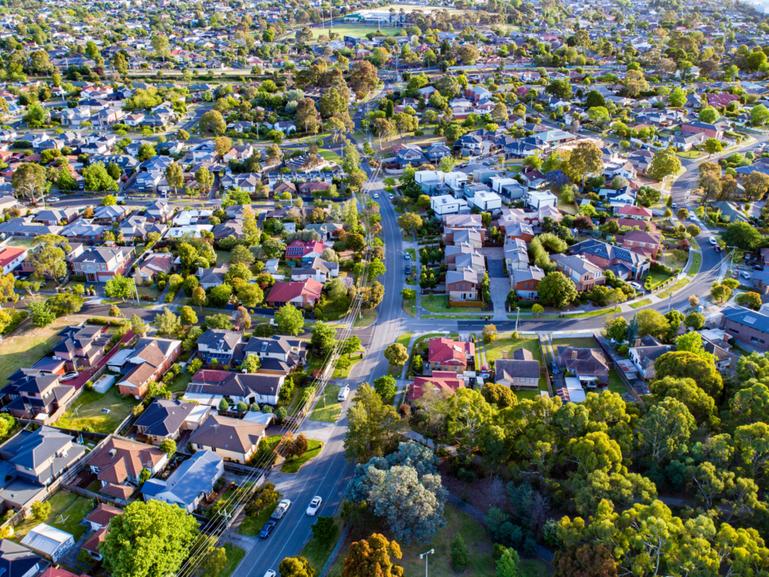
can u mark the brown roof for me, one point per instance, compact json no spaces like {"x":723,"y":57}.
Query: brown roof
{"x":102,"y":514}
{"x":228,"y":434}
{"x":121,"y":459}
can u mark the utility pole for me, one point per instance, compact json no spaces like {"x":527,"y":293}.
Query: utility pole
{"x":517,"y":316}
{"x":426,"y":557}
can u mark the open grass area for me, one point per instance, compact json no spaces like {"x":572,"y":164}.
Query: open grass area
{"x":95,"y":412}
{"x":656,"y":278}
{"x":440,"y":304}
{"x":26,"y":348}
{"x":329,"y":155}
{"x":327,"y":409}
{"x":317,"y":551}
{"x":355,"y":30}
{"x":234,"y":555}
{"x":696,"y":263}
{"x":314,"y":447}
{"x":641,"y":303}
{"x":593,"y":313}
{"x":67,"y":512}
{"x":180,"y":382}
{"x":690,"y":154}
{"x":575,"y":342}
{"x":404,"y":339}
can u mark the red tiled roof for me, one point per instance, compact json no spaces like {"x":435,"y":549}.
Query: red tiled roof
{"x":448,"y":351}
{"x":9,"y":253}
{"x":210,"y":376}
{"x":634,"y":210}
{"x":446,"y":382}
{"x":283,"y":292}
{"x":59,"y":572}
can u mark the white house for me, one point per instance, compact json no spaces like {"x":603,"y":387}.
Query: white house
{"x":429,"y":180}
{"x":537,"y":199}
{"x":49,"y":541}
{"x":488,"y":201}
{"x":447,"y":204}
{"x":455,"y":180}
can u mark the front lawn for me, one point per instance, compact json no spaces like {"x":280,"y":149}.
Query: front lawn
{"x":655,"y":278}
{"x":327,"y":409}
{"x":440,"y":304}
{"x":575,"y":342}
{"x":25,"y":349}
{"x":97,"y":413}
{"x":314,"y":447}
{"x":67,"y":513}
{"x":641,"y":303}
{"x":234,"y":555}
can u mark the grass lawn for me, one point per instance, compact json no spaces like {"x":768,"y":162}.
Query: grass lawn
{"x":355,"y":30}
{"x":252,"y":524}
{"x":329,"y":155}
{"x":25,"y":349}
{"x":657,"y":278}
{"x":410,"y":307}
{"x":696,"y":263}
{"x":615,"y":383}
{"x":404,"y":339}
{"x":674,"y":287}
{"x":67,"y":511}
{"x":593,"y":313}
{"x":365,"y":318}
{"x":690,"y":154}
{"x":504,"y":347}
{"x":222,"y":257}
{"x":314,"y":447}
{"x":575,"y":342}
{"x":180,"y":382}
{"x":86,"y":413}
{"x":148,"y":292}
{"x":641,"y":303}
{"x":317,"y":551}
{"x":327,"y":408}
{"x":440,"y":304}
{"x":234,"y":556}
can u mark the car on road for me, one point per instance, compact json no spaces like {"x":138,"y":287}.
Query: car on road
{"x":375,"y":195}
{"x":407,"y":256}
{"x":281,"y":509}
{"x":68,"y":376}
{"x":758,"y":267}
{"x":270,"y":573}
{"x":712,"y":240}
{"x":343,"y":392}
{"x":745,"y":274}
{"x":53,"y":199}
{"x":314,"y":505}
{"x":391,"y":196}
{"x":636,"y":286}
{"x":267,"y":529}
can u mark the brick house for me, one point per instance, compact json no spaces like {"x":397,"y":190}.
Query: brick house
{"x":444,"y":354}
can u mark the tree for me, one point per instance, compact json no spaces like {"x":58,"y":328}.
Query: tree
{"x":468,"y":54}
{"x":507,"y":563}
{"x":251,"y":363}
{"x":585,"y":560}
{"x":386,"y":387}
{"x":97,"y":178}
{"x":296,"y":567}
{"x":635,"y":83}
{"x":216,"y":561}
{"x":29,"y":181}
{"x":700,"y":404}
{"x":677,"y":97}
{"x":489,"y":333}
{"x":363,"y":78}
{"x":749,"y":299}
{"x":709,"y":114}
{"x":375,"y":555}
{"x":665,"y":428}
{"x":742,"y":235}
{"x":557,"y":290}
{"x":160,"y":535}
{"x":120,"y":287}
{"x":289,"y":320}
{"x":250,"y":295}
{"x":460,"y":557}
{"x":175,"y":176}
{"x":307,"y":117}
{"x":222,"y":145}
{"x":212,"y":122}
{"x":167,"y":323}
{"x":41,"y":314}
{"x":759,"y":115}
{"x":652,"y":323}
{"x":138,"y":326}
{"x":109,"y":200}
{"x":188,"y":316}
{"x":664,"y":163}
{"x":204,"y":179}
{"x":199,"y":296}
{"x":410,"y":222}
{"x":616,"y":329}
{"x":756,"y":185}
{"x":374,"y":426}
{"x":713,"y":145}
{"x":146,"y":151}
{"x":396,"y":354}
{"x":50,"y":260}
{"x":168,"y":446}
{"x":41,"y":510}
{"x":685,"y":364}
{"x":585,"y":159}
{"x":323,"y":338}
{"x":36,"y":115}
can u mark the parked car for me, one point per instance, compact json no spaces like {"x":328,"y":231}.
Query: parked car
{"x":68,"y":376}
{"x":343,"y":392}
{"x":314,"y":505}
{"x":712,"y":240}
{"x":270,"y":573}
{"x":267,"y":529}
{"x":281,"y":509}
{"x":745,"y":274}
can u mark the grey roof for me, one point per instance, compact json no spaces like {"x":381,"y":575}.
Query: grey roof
{"x":16,"y":560}
{"x":194,"y":477}
{"x":220,"y":339}
{"x":163,"y":417}
{"x":514,"y":368}
{"x":747,"y":317}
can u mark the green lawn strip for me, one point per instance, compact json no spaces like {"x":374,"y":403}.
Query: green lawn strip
{"x":252,"y":524}
{"x":25,"y":349}
{"x":641,"y":303}
{"x":696,"y":263}
{"x":345,"y":364}
{"x":410,"y":307}
{"x":327,"y":409}
{"x":67,"y":512}
{"x":404,"y":339}
{"x":180,"y":382}
{"x":317,"y":551}
{"x":674,"y":287}
{"x":440,"y":304}
{"x":86,"y":413}
{"x":529,"y":394}
{"x":615,"y":383}
{"x":234,"y":555}
{"x":574,"y":342}
{"x":314,"y":447}
{"x":593,"y":313}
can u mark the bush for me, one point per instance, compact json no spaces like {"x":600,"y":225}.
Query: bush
{"x":459,"y":556}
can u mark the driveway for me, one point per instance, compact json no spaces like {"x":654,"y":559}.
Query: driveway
{"x":499,"y":289}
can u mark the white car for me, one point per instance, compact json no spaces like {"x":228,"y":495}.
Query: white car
{"x":745,"y":274}
{"x":52,"y":199}
{"x":68,"y":376}
{"x":712,"y":240}
{"x":270,"y":573}
{"x":314,"y":505}
{"x":343,"y":392}
{"x":375,"y":195}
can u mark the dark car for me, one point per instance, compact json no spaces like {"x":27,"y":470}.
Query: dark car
{"x":267,"y":529}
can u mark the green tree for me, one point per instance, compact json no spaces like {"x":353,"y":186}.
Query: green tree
{"x":296,"y":567}
{"x":507,"y":563}
{"x":742,"y":235}
{"x":386,"y":387}
{"x":664,"y":163}
{"x":616,"y":329}
{"x":460,"y":557}
{"x":396,"y":354}
{"x":323,"y":338}
{"x":375,"y":555}
{"x":120,"y":287}
{"x":557,"y":290}
{"x":97,"y":178}
{"x":215,"y":561}
{"x":251,"y":363}
{"x":161,"y":537}
{"x":709,"y":114}
{"x":651,"y":322}
{"x":677,"y":97}
{"x":188,"y":316}
{"x":410,"y":222}
{"x":175,"y":176}
{"x":41,"y":314}
{"x":685,"y":364}
{"x":759,"y":115}
{"x":289,"y":320}
{"x":29,"y":181}
{"x":749,"y":299}
{"x":374,"y":426}
{"x":584,"y":160}
{"x":204,"y":179}
{"x":212,"y":122}
{"x":168,"y":446}
{"x":167,"y":323}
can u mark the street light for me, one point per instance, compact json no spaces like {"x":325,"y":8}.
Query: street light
{"x":426,"y":557}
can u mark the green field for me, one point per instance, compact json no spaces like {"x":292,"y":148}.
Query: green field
{"x":25,"y":349}
{"x":354,"y":30}
{"x":641,"y":303}
{"x":88,"y":412}
{"x":67,"y":512}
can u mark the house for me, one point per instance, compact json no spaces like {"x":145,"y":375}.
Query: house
{"x":50,"y":542}
{"x":463,"y":285}
{"x":634,"y":212}
{"x":119,"y":464}
{"x":589,"y":365}
{"x":167,"y":419}
{"x":209,"y":387}
{"x":319,"y":270}
{"x":277,"y":354}
{"x":189,"y":484}
{"x":625,"y":264}
{"x":447,"y":204}
{"x":32,"y":394}
{"x":444,"y":354}
{"x":645,"y":243}
{"x":304,"y":250}
{"x":486,"y":201}
{"x":583,"y":273}
{"x":232,"y":439}
{"x":304,"y":293}
{"x":150,"y":360}
{"x":644,"y":356}
{"x":153,"y":264}
{"x":32,"y":460}
{"x":536,"y":199}
{"x":525,"y":281}
{"x":218,"y":345}
{"x":747,"y":326}
{"x":521,"y":371}
{"x":100,"y":517}
{"x":101,"y":263}
{"x":707,"y":130}
{"x":11,"y":258}
{"x":19,"y":561}
{"x":445,"y":383}
{"x":81,"y":346}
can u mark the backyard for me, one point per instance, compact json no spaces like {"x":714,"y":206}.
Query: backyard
{"x":96,"y":412}
{"x":25,"y":349}
{"x":67,"y":513}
